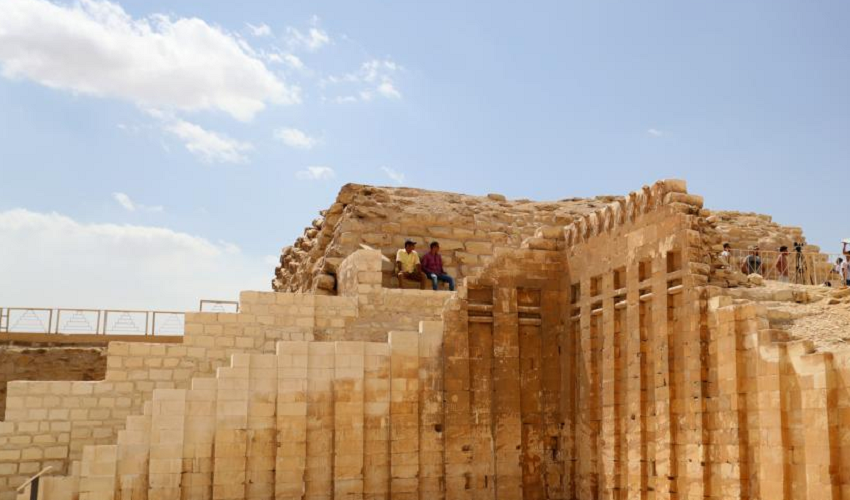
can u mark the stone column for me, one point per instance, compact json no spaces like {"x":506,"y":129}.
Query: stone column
{"x":261,"y":437}
{"x":291,"y":414}
{"x":231,"y":429}
{"x":199,"y":438}
{"x":505,"y":411}
{"x":431,"y":421}
{"x":376,"y":433}
{"x":320,"y":421}
{"x":348,"y":420}
{"x":404,"y":415}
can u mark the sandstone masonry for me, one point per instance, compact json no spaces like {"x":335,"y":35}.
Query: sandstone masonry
{"x":600,"y":359}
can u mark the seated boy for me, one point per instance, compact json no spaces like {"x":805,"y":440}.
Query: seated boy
{"x":432,"y":265}
{"x":407,"y":264}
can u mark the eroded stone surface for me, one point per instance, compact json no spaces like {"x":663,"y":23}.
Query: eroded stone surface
{"x":49,"y":363}
{"x":469,"y":229}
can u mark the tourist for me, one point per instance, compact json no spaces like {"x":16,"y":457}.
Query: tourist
{"x":407,"y":264}
{"x":845,"y":271}
{"x":782,"y":264}
{"x":726,"y":255}
{"x":432,"y":265}
{"x":752,"y":264}
{"x":838,"y":268}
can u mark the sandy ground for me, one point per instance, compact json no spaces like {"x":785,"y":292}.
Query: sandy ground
{"x":825,"y":320}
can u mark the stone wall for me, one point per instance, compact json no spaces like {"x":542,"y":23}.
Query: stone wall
{"x":469,"y":228}
{"x":309,"y":421}
{"x":633,"y":351}
{"x":49,"y":363}
{"x":745,"y":229}
{"x":653,"y":413}
{"x":50,"y":423}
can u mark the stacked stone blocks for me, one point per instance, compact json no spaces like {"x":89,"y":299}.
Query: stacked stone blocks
{"x":593,"y":363}
{"x":49,"y":423}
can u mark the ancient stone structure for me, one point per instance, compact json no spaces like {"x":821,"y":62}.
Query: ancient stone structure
{"x":470,"y":229}
{"x":598,"y":359}
{"x":745,"y":229}
{"x":49,"y":363}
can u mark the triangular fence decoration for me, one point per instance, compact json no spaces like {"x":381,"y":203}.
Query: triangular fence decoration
{"x":125,"y":324}
{"x":29,"y":322}
{"x":77,"y":323}
{"x":171,"y":325}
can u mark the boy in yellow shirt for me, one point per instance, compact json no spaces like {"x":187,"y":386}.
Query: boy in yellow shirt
{"x":407,"y":264}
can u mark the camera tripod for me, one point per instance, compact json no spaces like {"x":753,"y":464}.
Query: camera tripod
{"x":800,"y":268}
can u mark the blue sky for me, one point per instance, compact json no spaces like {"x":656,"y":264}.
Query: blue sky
{"x":153,"y":153}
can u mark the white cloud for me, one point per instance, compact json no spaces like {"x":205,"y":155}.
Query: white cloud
{"x":209,"y":146}
{"x":292,"y":61}
{"x":260,"y":31}
{"x":654,"y":132}
{"x":377,"y":70}
{"x":313,"y":40}
{"x":374,"y":76}
{"x":93,"y":47}
{"x":316,"y":174}
{"x":387,"y":89}
{"x":129,"y":205}
{"x":117,"y":266}
{"x":345,"y":99}
{"x":124,"y":201}
{"x":394,"y":175}
{"x":295,"y":138}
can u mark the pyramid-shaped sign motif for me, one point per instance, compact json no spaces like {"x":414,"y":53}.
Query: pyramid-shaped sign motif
{"x":172,"y":325}
{"x":29,"y":322}
{"x":126,"y":324}
{"x":77,"y":323}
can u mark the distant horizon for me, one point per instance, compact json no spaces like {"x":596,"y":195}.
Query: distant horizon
{"x":156,"y":153}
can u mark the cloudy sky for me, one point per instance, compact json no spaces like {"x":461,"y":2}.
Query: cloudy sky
{"x":156,"y":153}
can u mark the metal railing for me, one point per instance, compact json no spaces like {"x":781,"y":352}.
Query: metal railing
{"x":90,"y":321}
{"x":219,"y":306}
{"x":30,"y":486}
{"x":102,"y":321}
{"x":803,"y":268}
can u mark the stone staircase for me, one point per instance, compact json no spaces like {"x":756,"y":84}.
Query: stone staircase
{"x":788,"y":432}
{"x":244,"y":433}
{"x":48,"y":424}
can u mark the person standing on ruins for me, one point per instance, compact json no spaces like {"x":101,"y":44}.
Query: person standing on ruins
{"x":843,"y":269}
{"x":782,"y":265}
{"x":752,"y":264}
{"x":836,"y":270}
{"x":845,"y":272}
{"x":432,"y":265}
{"x":407,"y":264}
{"x":726,"y":255}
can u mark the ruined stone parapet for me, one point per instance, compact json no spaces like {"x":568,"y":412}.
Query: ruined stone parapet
{"x":745,"y":229}
{"x":470,"y":229}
